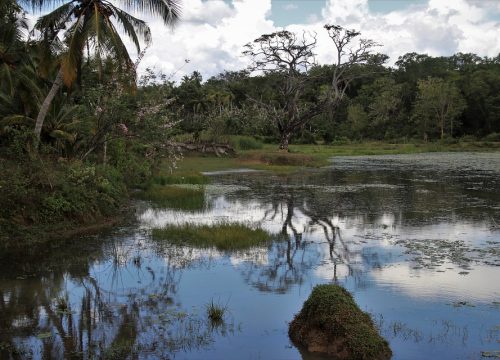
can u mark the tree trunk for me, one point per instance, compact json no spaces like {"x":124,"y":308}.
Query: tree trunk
{"x":105,"y":152}
{"x":285,"y":140}
{"x":46,"y":104}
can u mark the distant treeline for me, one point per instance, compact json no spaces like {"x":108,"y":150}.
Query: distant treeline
{"x":421,"y":97}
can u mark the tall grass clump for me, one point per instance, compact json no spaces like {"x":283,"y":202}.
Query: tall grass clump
{"x":222,"y":236}
{"x":216,"y":313}
{"x":176,"y":197}
{"x":249,"y":143}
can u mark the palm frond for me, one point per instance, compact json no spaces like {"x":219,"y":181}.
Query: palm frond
{"x":168,"y":10}
{"x":56,"y":19}
{"x":75,"y":38}
{"x":132,"y":27}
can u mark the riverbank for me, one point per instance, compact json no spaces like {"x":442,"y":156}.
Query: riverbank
{"x":46,"y":201}
{"x":51,"y":200}
{"x":268,"y":158}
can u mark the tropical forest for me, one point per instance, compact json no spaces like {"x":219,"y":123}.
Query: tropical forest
{"x":264,"y":179}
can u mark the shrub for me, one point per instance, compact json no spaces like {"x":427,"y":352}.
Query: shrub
{"x":492,"y":137}
{"x":176,"y":197}
{"x":249,"y":143}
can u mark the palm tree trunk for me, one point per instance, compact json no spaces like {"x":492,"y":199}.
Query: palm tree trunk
{"x":46,"y":104}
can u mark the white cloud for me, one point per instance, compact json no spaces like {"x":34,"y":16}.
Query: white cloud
{"x":212,"y":33}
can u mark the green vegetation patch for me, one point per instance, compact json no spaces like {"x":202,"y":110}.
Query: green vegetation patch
{"x":248,"y":143}
{"x":223,"y":236}
{"x":330,"y":322}
{"x":176,"y":197}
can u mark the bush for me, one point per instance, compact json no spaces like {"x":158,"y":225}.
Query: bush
{"x":492,"y":137}
{"x":249,"y":143}
{"x":468,"y":138}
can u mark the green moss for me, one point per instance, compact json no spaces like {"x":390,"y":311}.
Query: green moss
{"x":330,"y":316}
{"x":222,"y":236}
{"x":177,"y":197}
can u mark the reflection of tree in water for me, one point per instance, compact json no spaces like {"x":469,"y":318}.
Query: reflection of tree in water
{"x":96,"y":313}
{"x":294,"y":255}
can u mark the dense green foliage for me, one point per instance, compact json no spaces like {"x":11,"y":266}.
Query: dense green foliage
{"x":99,"y":134}
{"x":330,"y":312}
{"x":421,"y":98}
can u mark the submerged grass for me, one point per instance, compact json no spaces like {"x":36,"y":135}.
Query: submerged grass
{"x":223,"y":236}
{"x":176,"y":197}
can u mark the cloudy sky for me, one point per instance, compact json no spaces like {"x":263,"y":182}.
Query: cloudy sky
{"x":211,"y":33}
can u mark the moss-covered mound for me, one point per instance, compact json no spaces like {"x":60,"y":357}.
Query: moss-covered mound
{"x":330,"y":322}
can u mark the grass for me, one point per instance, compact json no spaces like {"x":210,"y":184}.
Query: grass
{"x":177,"y":197}
{"x":222,"y":236}
{"x":269,"y":158}
{"x":330,"y":321}
{"x":216,"y":313}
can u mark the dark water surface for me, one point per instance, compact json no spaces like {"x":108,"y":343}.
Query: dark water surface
{"x":416,"y":239}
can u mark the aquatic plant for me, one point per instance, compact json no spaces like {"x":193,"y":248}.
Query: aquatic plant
{"x":216,"y":313}
{"x":177,"y":197}
{"x":330,"y":322}
{"x":222,"y":236}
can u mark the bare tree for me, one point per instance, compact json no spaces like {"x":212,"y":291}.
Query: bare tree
{"x":289,"y":56}
{"x":350,"y":54}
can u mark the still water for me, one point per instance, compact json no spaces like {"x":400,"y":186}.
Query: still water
{"x":416,"y":239}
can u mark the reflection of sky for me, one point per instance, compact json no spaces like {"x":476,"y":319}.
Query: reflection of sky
{"x":357,"y":232}
{"x":443,"y":314}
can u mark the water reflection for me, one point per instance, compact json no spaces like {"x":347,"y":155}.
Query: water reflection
{"x":417,"y":246}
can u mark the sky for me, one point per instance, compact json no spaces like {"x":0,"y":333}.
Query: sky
{"x":212,"y":33}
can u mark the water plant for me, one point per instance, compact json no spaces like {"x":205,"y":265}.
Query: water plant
{"x":222,"y":236}
{"x":216,"y":313}
{"x":177,"y":197}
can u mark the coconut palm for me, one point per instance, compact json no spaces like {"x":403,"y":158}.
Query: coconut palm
{"x":92,"y":25}
{"x":19,"y":91}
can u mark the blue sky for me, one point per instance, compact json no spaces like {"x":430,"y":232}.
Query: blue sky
{"x":285,"y":12}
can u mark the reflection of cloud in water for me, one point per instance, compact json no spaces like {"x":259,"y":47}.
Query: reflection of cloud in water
{"x":184,"y":256}
{"x":248,"y":212}
{"x":327,"y":271}
{"x":258,"y":256}
{"x":479,"y":285}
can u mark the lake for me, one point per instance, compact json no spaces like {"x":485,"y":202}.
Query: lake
{"x":414,"y":238}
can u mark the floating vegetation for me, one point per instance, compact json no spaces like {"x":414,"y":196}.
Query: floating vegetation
{"x":462,"y":303}
{"x":491,"y":354}
{"x":430,"y":253}
{"x":222,"y":236}
{"x":177,"y":197}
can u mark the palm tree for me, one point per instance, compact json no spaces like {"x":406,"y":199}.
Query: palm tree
{"x":19,"y":90}
{"x":91,"y":25}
